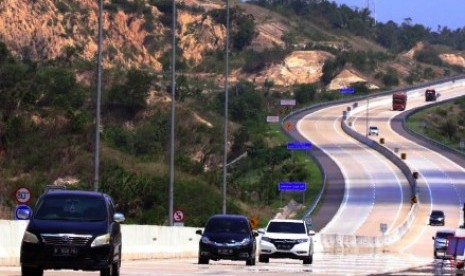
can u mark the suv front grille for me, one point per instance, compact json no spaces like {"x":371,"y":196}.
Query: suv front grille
{"x":65,"y":239}
{"x":283,"y":244}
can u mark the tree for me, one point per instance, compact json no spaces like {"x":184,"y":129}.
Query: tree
{"x":131,"y":95}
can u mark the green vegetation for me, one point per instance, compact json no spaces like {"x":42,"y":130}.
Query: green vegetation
{"x":47,"y":132}
{"x":444,"y":123}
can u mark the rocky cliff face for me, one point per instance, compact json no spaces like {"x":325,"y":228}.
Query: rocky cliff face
{"x":47,"y":29}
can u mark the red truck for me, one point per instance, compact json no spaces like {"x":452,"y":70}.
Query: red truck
{"x":399,"y":101}
{"x":430,"y":95}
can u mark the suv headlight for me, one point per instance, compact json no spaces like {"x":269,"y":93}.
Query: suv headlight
{"x":302,"y":240}
{"x":30,"y":238}
{"x":266,"y":239}
{"x":101,"y":240}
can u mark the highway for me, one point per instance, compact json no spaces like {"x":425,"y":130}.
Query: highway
{"x":324,"y":264}
{"x":441,"y":184}
{"x":376,"y":192}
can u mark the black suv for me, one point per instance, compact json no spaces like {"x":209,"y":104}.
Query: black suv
{"x":71,"y":229}
{"x":228,"y":237}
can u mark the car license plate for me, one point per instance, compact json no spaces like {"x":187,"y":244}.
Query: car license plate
{"x":225,"y":251}
{"x":65,"y":251}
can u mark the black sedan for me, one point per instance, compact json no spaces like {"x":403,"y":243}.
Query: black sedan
{"x":437,"y":217}
{"x":228,"y":237}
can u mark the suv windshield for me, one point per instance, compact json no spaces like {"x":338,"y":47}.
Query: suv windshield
{"x":444,"y":235}
{"x":225,"y":225}
{"x":286,"y":227}
{"x":71,"y":207}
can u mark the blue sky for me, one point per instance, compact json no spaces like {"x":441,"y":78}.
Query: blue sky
{"x":430,"y":13}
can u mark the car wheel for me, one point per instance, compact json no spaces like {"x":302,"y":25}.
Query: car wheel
{"x":308,"y":260}
{"x":107,"y":271}
{"x":115,"y":269}
{"x":435,"y":254}
{"x":31,"y":271}
{"x":203,"y":260}
{"x":263,"y":259}
{"x":250,"y":262}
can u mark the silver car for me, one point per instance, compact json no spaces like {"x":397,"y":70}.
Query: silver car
{"x":440,"y":242}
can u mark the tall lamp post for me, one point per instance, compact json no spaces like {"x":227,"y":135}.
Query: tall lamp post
{"x":226,"y":96}
{"x":173,"y":106}
{"x":99,"y":97}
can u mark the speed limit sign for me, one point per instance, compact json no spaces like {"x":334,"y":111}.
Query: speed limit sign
{"x":23,"y":195}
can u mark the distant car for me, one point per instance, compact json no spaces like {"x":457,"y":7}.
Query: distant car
{"x":286,"y":239}
{"x":228,"y":237}
{"x":71,"y":229}
{"x":440,"y":241}
{"x":373,"y":130}
{"x":437,"y":217}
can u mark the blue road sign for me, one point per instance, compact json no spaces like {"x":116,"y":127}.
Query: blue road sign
{"x":292,"y":186}
{"x":347,"y":90}
{"x":22,"y":208}
{"x":299,"y":146}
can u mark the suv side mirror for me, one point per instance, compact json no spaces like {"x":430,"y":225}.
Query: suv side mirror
{"x":261,"y":231}
{"x":311,"y":233}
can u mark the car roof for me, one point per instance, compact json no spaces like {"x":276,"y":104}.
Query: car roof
{"x":446,"y":231}
{"x":228,"y":216}
{"x":437,"y":212}
{"x":287,"y":220}
{"x":61,"y":192}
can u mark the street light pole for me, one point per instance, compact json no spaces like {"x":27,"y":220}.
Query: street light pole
{"x":173,"y":107}
{"x":368,"y":103}
{"x":226,"y":96}
{"x":99,"y":97}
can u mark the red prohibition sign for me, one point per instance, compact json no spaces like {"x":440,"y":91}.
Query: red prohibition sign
{"x":178,"y":216}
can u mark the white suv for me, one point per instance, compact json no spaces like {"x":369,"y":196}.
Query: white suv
{"x":373,"y":130}
{"x":286,"y":239}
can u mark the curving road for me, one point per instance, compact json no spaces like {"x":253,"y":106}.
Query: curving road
{"x":441,"y":184}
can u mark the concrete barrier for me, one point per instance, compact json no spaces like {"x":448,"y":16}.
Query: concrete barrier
{"x":139,"y":242}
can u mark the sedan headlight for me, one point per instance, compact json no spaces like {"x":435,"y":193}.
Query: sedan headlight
{"x":245,"y":241}
{"x":302,"y":240}
{"x":101,"y":240}
{"x":30,"y":238}
{"x":206,"y":240}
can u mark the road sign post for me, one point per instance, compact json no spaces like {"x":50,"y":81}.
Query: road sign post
{"x":23,"y":195}
{"x":178,"y":218}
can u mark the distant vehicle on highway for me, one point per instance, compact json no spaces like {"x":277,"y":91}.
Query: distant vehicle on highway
{"x":373,"y":130}
{"x":286,"y":239}
{"x":227,"y":237}
{"x":440,"y":241}
{"x":399,"y":101}
{"x":71,"y":229}
{"x":437,"y":217}
{"x":430,"y":95}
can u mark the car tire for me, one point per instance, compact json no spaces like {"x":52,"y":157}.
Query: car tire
{"x":31,"y":271}
{"x":250,"y":261}
{"x":107,"y":271}
{"x":435,"y":254}
{"x":263,"y":259}
{"x":308,"y":260}
{"x":204,"y":260}
{"x":115,"y":270}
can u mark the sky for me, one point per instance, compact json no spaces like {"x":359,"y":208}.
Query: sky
{"x":430,"y":13}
